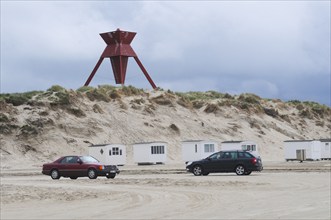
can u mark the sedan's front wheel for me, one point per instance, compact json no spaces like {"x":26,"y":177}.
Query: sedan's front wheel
{"x":92,"y":174}
{"x":55,"y":175}
{"x":240,"y":170}
{"x":197,"y":170}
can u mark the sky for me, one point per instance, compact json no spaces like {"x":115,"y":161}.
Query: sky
{"x":274,"y":49}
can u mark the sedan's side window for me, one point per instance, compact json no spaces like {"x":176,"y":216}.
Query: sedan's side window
{"x":73,"y":160}
{"x":69,"y":160}
{"x":65,"y":160}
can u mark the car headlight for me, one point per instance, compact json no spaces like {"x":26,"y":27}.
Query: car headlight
{"x":189,"y":163}
{"x":101,"y":167}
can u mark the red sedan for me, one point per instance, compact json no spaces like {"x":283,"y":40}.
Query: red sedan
{"x":79,"y":166}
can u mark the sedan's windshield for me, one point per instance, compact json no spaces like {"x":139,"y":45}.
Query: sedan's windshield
{"x":88,"y":159}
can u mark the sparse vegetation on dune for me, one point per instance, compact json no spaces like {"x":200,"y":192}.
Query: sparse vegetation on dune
{"x":212,"y":100}
{"x":209,"y":95}
{"x":19,"y":98}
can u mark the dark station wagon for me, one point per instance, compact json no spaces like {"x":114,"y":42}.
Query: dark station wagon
{"x":79,"y":166}
{"x":240,"y":162}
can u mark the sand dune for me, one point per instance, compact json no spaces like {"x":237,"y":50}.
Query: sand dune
{"x":45,"y":127}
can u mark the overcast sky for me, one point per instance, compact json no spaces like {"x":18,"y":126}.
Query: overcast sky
{"x":275,"y":49}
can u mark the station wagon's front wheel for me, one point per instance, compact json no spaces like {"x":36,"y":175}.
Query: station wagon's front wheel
{"x":92,"y":174}
{"x":197,"y":170}
{"x":240,"y":170}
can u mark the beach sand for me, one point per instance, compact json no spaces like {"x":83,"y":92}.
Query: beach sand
{"x":282,"y":191}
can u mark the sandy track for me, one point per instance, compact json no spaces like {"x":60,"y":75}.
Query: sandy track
{"x":287,"y":195}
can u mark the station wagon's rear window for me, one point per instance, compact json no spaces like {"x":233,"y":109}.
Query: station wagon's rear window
{"x":244,"y":155}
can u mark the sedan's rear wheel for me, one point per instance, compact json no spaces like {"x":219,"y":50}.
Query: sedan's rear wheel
{"x":197,"y":170}
{"x":92,"y":174}
{"x":240,"y":170}
{"x":55,"y":174}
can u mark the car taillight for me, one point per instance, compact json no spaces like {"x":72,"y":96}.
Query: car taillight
{"x":254,"y":161}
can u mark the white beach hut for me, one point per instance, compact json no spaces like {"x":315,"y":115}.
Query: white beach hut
{"x":198,"y":149}
{"x":109,"y":154}
{"x":325,"y":149}
{"x":302,"y":150}
{"x":150,"y":152}
{"x":250,"y":146}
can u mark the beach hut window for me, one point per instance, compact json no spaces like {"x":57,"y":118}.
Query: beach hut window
{"x":157,"y":149}
{"x":251,"y":147}
{"x":209,"y":148}
{"x":115,"y":151}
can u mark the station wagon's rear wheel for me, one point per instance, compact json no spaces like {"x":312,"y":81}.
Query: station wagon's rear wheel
{"x":240,"y":170}
{"x":92,"y":174}
{"x":55,"y":174}
{"x":197,"y":170}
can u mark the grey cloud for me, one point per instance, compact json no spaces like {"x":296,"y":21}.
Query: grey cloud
{"x":274,"y":49}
